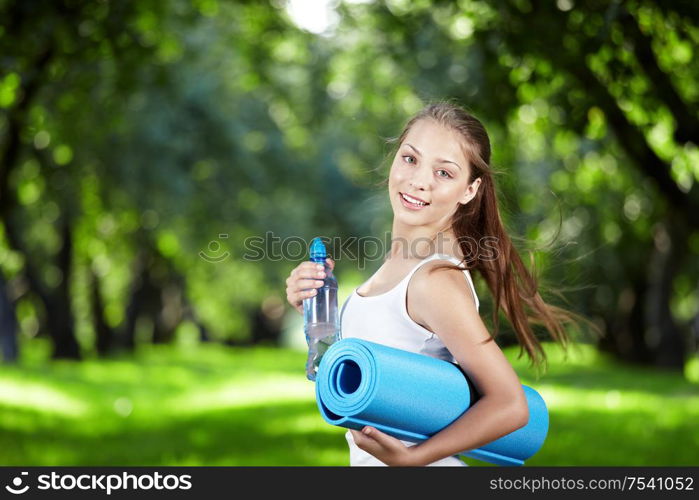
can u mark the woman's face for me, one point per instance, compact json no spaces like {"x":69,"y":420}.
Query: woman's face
{"x":430,"y":167}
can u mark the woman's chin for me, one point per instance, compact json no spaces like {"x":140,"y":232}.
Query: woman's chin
{"x":410,"y":219}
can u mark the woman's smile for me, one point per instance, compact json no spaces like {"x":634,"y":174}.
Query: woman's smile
{"x":411,"y":202}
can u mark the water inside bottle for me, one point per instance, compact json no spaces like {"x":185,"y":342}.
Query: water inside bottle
{"x":320,"y":313}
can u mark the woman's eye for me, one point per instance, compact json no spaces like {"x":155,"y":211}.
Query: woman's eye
{"x":445,"y":176}
{"x":410,"y":158}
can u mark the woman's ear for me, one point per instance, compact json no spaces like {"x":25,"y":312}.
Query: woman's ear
{"x":471,"y":191}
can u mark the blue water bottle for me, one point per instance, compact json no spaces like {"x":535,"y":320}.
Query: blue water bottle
{"x":320,"y":313}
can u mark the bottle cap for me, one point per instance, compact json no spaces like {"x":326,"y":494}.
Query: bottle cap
{"x":318,"y":251}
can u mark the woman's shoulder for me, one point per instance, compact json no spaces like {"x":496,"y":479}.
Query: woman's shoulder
{"x":437,"y":274}
{"x":436,"y":284}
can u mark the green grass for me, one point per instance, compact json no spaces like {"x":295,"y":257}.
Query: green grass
{"x":603,"y":412}
{"x":212,"y":405}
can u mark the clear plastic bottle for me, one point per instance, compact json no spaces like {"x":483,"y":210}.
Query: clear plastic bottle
{"x":320,"y":313}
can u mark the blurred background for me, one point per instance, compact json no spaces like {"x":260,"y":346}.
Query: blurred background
{"x":144,"y":144}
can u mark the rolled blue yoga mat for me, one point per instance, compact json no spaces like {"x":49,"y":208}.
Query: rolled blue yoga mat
{"x":411,"y":397}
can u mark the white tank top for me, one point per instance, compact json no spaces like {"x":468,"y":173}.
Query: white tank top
{"x":384,"y":319}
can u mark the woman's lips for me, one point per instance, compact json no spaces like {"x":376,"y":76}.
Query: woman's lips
{"x":409,"y":205}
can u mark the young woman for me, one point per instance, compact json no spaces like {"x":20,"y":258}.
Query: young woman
{"x":445,"y":209}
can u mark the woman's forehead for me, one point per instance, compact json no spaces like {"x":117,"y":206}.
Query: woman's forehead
{"x":434,"y":139}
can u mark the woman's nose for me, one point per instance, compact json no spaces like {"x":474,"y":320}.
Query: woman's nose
{"x":422,"y":176}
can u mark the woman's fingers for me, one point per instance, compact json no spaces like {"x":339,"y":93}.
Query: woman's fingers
{"x":295,"y":294}
{"x":388,"y":442}
{"x":304,"y":281}
{"x":307,"y":270}
{"x":306,"y":284}
{"x":302,"y":273}
{"x":367,"y":443}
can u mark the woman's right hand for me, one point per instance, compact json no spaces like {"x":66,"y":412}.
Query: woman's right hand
{"x":304,"y":281}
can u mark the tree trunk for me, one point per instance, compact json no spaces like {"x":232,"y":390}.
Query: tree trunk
{"x":59,"y":314}
{"x":9,"y":159}
{"x":190,"y":314}
{"x":644,"y":330}
{"x":625,"y":331}
{"x":127,"y":338}
{"x":662,"y":334}
{"x":147,"y":300}
{"x":8,"y":325}
{"x":104,"y":335}
{"x":267,"y":321}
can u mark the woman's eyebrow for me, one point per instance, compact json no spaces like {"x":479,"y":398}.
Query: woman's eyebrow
{"x":439,"y":160}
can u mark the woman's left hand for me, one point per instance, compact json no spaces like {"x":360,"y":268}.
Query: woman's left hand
{"x":388,"y":449}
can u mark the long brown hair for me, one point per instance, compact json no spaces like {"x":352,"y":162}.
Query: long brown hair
{"x":515,"y":289}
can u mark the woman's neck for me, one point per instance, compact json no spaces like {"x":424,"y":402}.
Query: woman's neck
{"x":419,"y":242}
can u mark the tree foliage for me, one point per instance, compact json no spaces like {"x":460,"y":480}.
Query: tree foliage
{"x":137,"y":135}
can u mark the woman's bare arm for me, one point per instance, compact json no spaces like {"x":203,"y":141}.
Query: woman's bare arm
{"x":442,"y":301}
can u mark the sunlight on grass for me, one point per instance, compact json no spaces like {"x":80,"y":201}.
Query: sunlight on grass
{"x":565,"y":398}
{"x":244,"y":392}
{"x":577,"y":354}
{"x":308,"y":423}
{"x":215,"y":405}
{"x":40,"y":397}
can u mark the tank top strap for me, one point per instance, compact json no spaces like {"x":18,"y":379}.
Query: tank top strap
{"x":402,"y":288}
